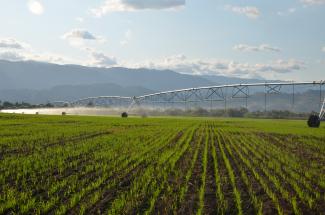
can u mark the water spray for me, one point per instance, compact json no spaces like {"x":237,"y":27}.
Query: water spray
{"x":134,"y":101}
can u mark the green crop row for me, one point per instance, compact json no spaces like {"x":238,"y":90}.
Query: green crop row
{"x":105,"y":165}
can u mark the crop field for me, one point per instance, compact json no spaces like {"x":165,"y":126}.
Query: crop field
{"x":106,"y":165}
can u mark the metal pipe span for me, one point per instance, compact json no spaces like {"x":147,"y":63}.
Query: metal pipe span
{"x":265,"y":84}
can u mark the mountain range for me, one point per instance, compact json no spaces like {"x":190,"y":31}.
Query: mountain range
{"x":38,"y":82}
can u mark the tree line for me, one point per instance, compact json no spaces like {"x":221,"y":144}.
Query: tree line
{"x":19,"y":105}
{"x":231,"y":112}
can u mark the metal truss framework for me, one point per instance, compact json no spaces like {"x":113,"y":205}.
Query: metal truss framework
{"x":222,"y":93}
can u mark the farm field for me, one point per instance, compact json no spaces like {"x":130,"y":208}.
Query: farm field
{"x":106,"y":165}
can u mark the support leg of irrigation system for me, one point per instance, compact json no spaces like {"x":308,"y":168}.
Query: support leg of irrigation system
{"x":320,"y":96}
{"x":246,"y":98}
{"x":225,"y":98}
{"x":265,"y":101}
{"x":293,"y":96}
{"x":225,"y":105}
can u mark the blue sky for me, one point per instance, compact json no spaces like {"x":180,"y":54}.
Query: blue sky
{"x":246,"y":38}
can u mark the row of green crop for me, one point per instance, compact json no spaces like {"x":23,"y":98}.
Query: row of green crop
{"x":29,"y":171}
{"x":275,"y":171}
{"x":248,"y":165}
{"x":204,"y":172}
{"x":169,"y":196}
{"x":287,"y":171}
{"x":63,"y":175}
{"x":308,"y":155}
{"x":147,"y":187}
{"x":286,"y":183}
{"x":58,"y":158}
{"x":134,"y":166}
{"x":154,"y":166}
{"x":220,"y":198}
{"x":254,"y":198}
{"x":292,"y":166}
{"x":89,"y":195}
{"x":232,"y":176}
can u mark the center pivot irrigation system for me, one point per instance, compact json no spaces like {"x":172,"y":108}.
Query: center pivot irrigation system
{"x":209,"y":94}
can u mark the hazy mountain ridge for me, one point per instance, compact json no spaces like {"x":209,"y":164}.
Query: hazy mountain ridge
{"x":231,"y":80}
{"x":38,"y":75}
{"x":70,"y":93}
{"x":35,"y":75}
{"x":32,"y":81}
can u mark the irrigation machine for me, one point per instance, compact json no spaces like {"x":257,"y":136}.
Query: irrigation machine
{"x":209,"y":94}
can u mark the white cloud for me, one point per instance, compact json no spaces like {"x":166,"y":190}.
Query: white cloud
{"x":323,"y":49}
{"x":281,"y":66}
{"x":99,"y":59}
{"x":287,"y":12}
{"x":262,"y":47}
{"x":15,"y":55}
{"x":77,"y":37}
{"x":179,"y":63}
{"x":35,"y":7}
{"x":249,"y":11}
{"x":14,"y":50}
{"x":11,"y":56}
{"x":11,"y":43}
{"x":182,"y":64}
{"x":134,"y":5}
{"x":79,"y":34}
{"x":127,"y":38}
{"x":313,"y":2}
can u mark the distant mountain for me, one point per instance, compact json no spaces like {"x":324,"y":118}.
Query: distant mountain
{"x":36,"y":75}
{"x":32,"y":81}
{"x":70,"y":93}
{"x":221,"y":80}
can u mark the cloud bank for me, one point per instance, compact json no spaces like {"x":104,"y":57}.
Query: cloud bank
{"x":79,"y":34}
{"x":287,"y":12}
{"x":99,"y":59}
{"x":260,"y":48}
{"x":135,"y":5}
{"x":182,"y":64}
{"x":14,"y":50}
{"x":313,"y":2}
{"x":78,"y":37}
{"x":11,"y":43}
{"x":249,"y":11}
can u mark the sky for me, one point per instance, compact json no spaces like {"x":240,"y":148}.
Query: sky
{"x":244,"y":38}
